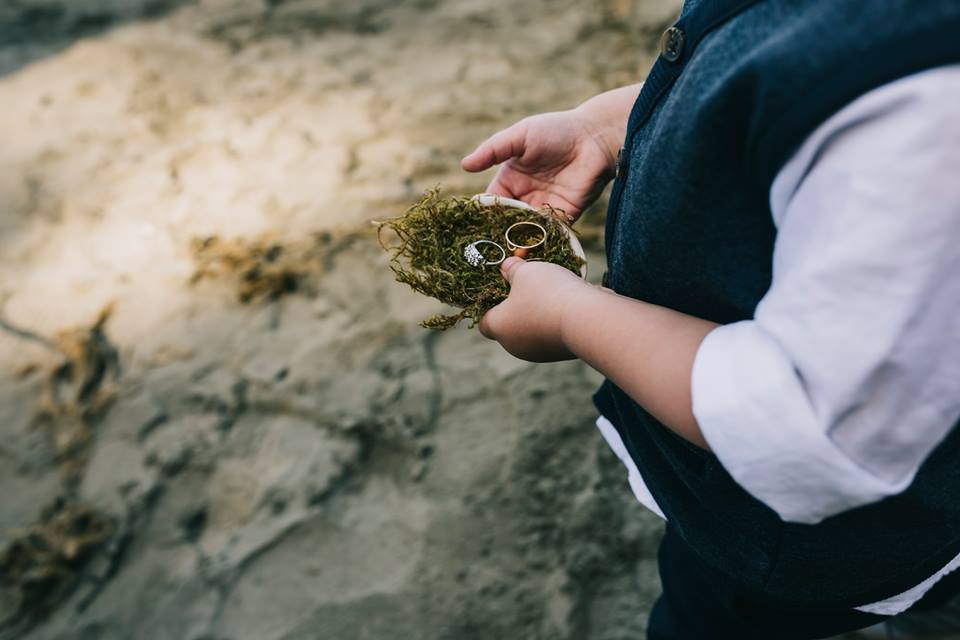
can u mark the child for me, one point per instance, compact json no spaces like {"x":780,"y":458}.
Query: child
{"x":780,"y":335}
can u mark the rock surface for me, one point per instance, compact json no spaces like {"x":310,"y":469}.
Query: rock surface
{"x":314,"y":466}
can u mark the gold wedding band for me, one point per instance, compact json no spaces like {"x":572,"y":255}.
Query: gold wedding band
{"x":514,"y":246}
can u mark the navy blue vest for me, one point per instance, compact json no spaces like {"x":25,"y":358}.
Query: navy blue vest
{"x":689,"y":227}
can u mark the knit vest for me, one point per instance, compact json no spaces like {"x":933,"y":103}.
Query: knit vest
{"x":738,"y":86}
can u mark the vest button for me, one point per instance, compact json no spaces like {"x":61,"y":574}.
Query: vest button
{"x":671,"y":44}
{"x":618,"y":168}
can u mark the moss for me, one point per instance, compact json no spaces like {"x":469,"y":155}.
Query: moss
{"x":427,"y":251}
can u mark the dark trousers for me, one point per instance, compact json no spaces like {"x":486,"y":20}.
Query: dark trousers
{"x":700,"y":603}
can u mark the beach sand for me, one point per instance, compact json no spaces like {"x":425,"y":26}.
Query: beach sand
{"x":257,"y":441}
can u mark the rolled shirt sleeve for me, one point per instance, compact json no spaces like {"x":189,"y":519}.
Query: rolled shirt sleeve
{"x":849,"y":374}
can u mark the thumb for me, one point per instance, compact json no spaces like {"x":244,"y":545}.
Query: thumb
{"x":500,"y":147}
{"x":509,"y":267}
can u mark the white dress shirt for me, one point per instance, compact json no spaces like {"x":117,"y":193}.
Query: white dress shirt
{"x":848,"y":375}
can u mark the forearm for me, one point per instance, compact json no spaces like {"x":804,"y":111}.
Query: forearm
{"x":646,"y":350}
{"x":605,"y":116}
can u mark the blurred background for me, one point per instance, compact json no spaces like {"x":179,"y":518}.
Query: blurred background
{"x":218,"y":416}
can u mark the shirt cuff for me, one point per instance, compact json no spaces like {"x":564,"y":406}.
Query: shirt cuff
{"x":754,"y":412}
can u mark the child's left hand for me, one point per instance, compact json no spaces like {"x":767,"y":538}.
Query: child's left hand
{"x":646,"y":350}
{"x":529,"y":323}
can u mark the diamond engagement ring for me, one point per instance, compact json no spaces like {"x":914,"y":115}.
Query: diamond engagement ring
{"x":476,"y":259}
{"x":514,"y":246}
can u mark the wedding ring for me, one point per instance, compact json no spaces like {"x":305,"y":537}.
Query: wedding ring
{"x":476,"y":259}
{"x":513,"y":245}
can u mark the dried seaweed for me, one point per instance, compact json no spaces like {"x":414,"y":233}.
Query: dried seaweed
{"x":428,"y":253}
{"x":42,"y":564}
{"x":77,"y":390}
{"x":262,"y":268}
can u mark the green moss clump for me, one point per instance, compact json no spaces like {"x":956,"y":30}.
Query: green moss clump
{"x":432,"y":235}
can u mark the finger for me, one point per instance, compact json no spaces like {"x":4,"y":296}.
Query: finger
{"x":500,"y":147}
{"x":509,"y":267}
{"x":486,"y":330}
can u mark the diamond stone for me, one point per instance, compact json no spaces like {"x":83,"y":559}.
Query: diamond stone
{"x":473,"y":255}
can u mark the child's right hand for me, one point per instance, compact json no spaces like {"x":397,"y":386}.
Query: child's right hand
{"x":551,"y":158}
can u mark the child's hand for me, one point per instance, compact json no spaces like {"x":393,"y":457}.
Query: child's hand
{"x":646,"y":350}
{"x":562,"y":159}
{"x":552,"y":158}
{"x":529,"y":322}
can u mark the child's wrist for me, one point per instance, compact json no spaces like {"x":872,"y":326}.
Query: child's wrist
{"x":605,"y":118}
{"x":576,"y":317}
{"x":595,"y":122}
